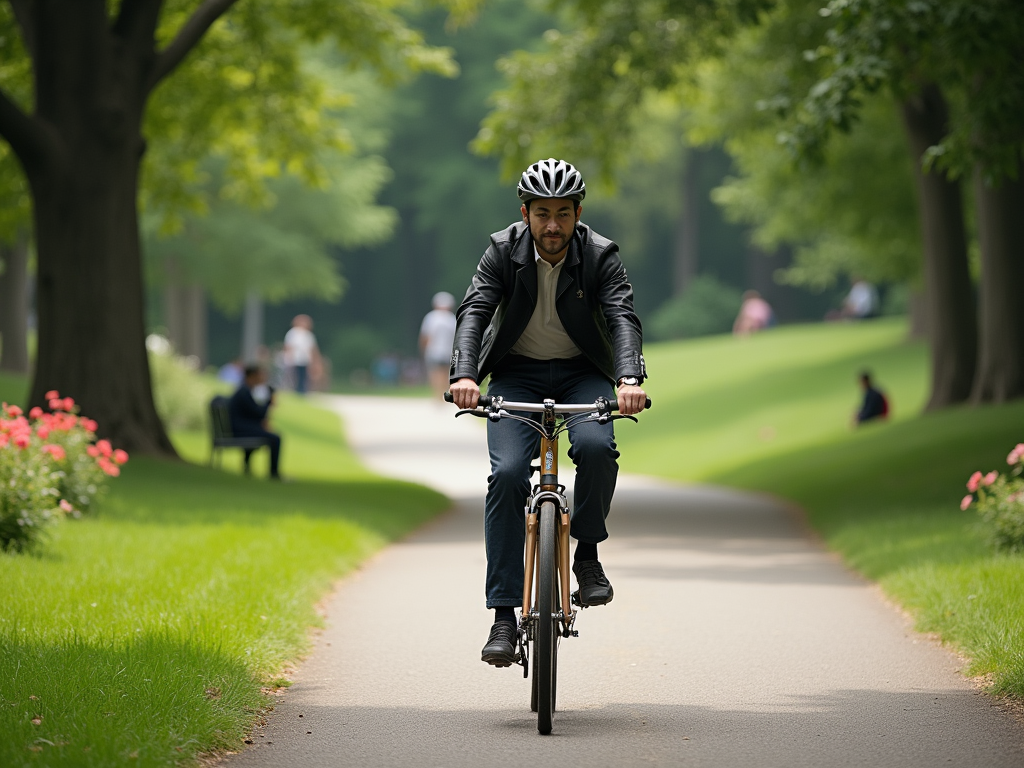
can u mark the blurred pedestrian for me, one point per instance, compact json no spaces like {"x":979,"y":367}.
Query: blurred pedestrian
{"x":248,"y":409}
{"x":874,"y":404}
{"x":302,"y":353}
{"x":755,"y":315}
{"x":437,"y":332}
{"x":861,"y":302}
{"x":232,"y":373}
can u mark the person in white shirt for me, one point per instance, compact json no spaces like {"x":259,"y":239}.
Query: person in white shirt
{"x":302,"y":352}
{"x":437,"y":332}
{"x":862,"y":301}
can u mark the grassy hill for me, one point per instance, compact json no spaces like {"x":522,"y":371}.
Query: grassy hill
{"x":722,"y":402}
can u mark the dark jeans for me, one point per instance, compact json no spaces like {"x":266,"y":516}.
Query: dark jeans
{"x":301,"y":378}
{"x":273,"y":440}
{"x":514,"y":445}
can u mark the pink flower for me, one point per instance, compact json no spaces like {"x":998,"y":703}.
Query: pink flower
{"x":13,"y":411}
{"x":1013,"y":457}
{"x":36,"y":413}
{"x":89,"y":425}
{"x":108,"y":466}
{"x":105,"y":447}
{"x":22,"y":440}
{"x":57,"y":451}
{"x":93,"y":451}
{"x":966,"y":502}
{"x":120,"y":457}
{"x":990,"y":478}
{"x":69,"y":403}
{"x":66,"y":505}
{"x":53,"y":394}
{"x":4,"y":439}
{"x":43,"y":432}
{"x":974,"y":482}
{"x":55,"y":403}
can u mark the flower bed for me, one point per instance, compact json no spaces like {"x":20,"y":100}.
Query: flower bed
{"x":51,"y":465}
{"x":999,"y":499}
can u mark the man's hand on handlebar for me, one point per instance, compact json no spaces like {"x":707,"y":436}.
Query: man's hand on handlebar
{"x":632,"y":399}
{"x":465,"y":392}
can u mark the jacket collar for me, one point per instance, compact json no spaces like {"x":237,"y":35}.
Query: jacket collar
{"x":522,"y":251}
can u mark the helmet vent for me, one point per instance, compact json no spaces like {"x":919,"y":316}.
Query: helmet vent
{"x":551,"y":178}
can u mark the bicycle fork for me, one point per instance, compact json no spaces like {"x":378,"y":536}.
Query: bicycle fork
{"x":547,"y":490}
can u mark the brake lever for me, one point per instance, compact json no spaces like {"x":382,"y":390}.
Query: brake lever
{"x":605,"y":418}
{"x":472,"y":412}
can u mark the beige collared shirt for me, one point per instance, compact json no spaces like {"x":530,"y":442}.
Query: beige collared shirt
{"x":545,"y":337}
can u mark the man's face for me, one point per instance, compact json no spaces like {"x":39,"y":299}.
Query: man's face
{"x":551,"y":223}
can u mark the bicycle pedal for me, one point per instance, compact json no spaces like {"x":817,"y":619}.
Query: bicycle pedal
{"x":575,"y":598}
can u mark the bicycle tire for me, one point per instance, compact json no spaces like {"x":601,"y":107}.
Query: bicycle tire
{"x":546,"y":644}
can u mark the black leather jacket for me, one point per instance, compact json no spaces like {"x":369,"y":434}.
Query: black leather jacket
{"x":594,"y":302}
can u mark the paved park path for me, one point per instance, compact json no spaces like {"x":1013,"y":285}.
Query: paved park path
{"x":734,"y":640}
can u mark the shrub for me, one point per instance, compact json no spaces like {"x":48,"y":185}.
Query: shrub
{"x":355,"y":348}
{"x":182,"y":395}
{"x":50,"y":465}
{"x":1000,"y":502}
{"x":708,"y":306}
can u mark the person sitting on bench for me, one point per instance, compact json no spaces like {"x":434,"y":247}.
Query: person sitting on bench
{"x":247,"y":410}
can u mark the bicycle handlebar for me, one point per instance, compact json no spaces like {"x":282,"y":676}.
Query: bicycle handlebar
{"x":565,"y":409}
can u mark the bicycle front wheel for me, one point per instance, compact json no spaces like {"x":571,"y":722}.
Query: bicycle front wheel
{"x":546,"y":641}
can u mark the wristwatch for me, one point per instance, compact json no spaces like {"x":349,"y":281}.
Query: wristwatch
{"x":630,"y":380}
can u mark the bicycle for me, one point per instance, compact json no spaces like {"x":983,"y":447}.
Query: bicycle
{"x":547,"y":613}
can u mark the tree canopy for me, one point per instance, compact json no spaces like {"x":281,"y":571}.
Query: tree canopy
{"x":101,"y":96}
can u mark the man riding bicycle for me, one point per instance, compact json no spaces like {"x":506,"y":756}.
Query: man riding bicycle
{"x":549,"y":314}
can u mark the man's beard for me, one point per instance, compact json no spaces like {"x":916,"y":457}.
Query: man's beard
{"x":542,"y":243}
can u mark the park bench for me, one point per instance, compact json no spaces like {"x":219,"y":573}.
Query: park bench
{"x":221,"y":436}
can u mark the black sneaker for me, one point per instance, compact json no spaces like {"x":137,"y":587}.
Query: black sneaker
{"x":595,"y":588}
{"x":500,"y":649}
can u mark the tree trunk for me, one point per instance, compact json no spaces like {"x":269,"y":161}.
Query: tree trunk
{"x":185,"y":315}
{"x":918,"y":312}
{"x":951,"y":320}
{"x":1000,"y":211}
{"x":686,"y":245}
{"x":90,"y":98}
{"x":14,"y":306}
{"x":252,"y":328}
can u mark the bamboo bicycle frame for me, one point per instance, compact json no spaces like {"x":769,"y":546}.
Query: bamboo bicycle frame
{"x":548,"y":482}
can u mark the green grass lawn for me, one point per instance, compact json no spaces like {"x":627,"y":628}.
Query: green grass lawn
{"x":772,"y":413}
{"x":143,"y":634}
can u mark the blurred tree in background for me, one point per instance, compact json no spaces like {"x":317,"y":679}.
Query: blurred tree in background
{"x":449,"y":199}
{"x":803,"y":98}
{"x":279,"y":246}
{"x":15,"y":225}
{"x":955,"y":67}
{"x":79,"y":137}
{"x":782,"y":145}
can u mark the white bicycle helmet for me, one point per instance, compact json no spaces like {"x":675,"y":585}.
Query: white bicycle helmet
{"x":551,"y":178}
